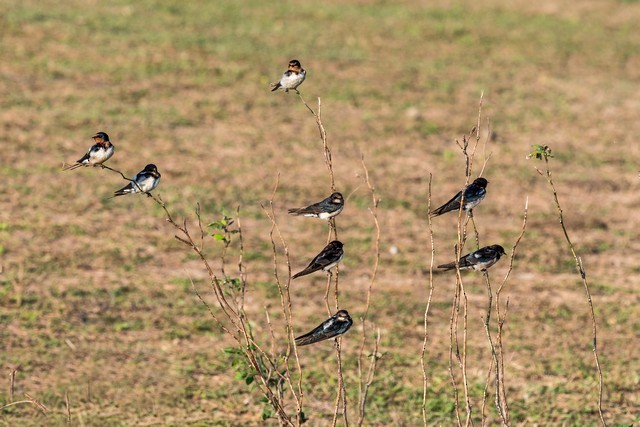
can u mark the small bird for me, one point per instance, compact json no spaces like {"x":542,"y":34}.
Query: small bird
{"x":292,"y":78}
{"x":481,"y":259}
{"x":99,"y":152}
{"x":336,"y":325}
{"x":328,"y":258}
{"x":143,"y":182}
{"x":473,"y":195}
{"x":325,"y":209}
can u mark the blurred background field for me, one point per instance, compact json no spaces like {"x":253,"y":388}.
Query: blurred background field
{"x":95,"y":294}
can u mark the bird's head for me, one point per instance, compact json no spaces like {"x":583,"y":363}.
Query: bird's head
{"x":294,"y":65}
{"x":100,"y":137}
{"x":481,"y":182}
{"x":336,"y":244}
{"x":337,"y":198}
{"x":343,"y":316}
{"x":499,"y":249}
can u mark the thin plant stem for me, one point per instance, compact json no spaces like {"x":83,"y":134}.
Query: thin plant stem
{"x":544,"y":152}
{"x":364,"y":384}
{"x":425,"y":377}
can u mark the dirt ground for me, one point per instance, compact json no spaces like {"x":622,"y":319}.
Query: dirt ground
{"x":99,"y":319}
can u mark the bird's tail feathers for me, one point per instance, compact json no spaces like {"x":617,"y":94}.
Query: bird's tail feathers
{"x":295,"y":276}
{"x":304,"y":340}
{"x":67,"y":167}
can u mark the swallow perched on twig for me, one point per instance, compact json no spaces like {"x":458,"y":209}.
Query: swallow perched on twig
{"x":292,"y":78}
{"x":481,"y":259}
{"x":143,"y":182}
{"x":473,"y":195}
{"x":336,"y":325}
{"x":325,"y":209}
{"x":99,"y":152}
{"x":328,"y":258}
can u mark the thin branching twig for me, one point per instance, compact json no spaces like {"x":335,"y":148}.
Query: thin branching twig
{"x":261,"y":363}
{"x":543,"y":152}
{"x":328,"y":160}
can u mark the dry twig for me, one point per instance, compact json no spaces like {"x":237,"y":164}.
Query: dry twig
{"x":543,"y":152}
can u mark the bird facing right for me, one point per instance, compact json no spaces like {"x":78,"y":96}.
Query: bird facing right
{"x":336,"y":325}
{"x":328,"y":258}
{"x":481,"y":259}
{"x":473,"y":195}
{"x":99,"y":152}
{"x":292,"y":78}
{"x":143,"y":182}
{"x":324,"y":209}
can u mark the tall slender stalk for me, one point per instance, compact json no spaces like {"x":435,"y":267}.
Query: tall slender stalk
{"x":543,"y":152}
{"x":425,"y":377}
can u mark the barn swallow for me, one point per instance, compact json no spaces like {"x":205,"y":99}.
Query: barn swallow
{"x":99,"y":152}
{"x":481,"y":259}
{"x":473,"y":195}
{"x":328,"y":258}
{"x":143,"y":182}
{"x":325,"y":209}
{"x":292,"y":78}
{"x":336,"y":325}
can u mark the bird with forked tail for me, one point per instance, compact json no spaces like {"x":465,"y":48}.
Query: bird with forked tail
{"x":336,"y":325}
{"x":473,"y":195}
{"x":324,"y":209}
{"x":99,"y":152}
{"x":143,"y":182}
{"x":328,"y":258}
{"x":481,"y":259}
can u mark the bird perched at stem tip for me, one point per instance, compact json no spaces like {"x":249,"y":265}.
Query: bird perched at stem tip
{"x":336,"y":325}
{"x":99,"y":152}
{"x":143,"y":182}
{"x":328,"y":258}
{"x":473,"y":195}
{"x":480,"y":260}
{"x":292,"y":78}
{"x":324,"y":209}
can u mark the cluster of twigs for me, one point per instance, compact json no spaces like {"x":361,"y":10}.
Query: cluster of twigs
{"x":458,"y":369}
{"x":276,"y":377}
{"x":279,"y":374}
{"x":29,"y":399}
{"x":364,"y":380}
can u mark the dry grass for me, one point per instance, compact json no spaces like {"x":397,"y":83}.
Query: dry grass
{"x":95,"y":296}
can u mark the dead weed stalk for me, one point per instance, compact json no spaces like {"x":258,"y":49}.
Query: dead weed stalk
{"x":273,"y":376}
{"x":328,"y":160}
{"x":365,"y":382}
{"x":543,"y":152}
{"x":425,"y":377}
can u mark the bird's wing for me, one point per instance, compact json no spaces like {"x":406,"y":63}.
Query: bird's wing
{"x":451,"y":205}
{"x":474,"y":191}
{"x":314,"y":209}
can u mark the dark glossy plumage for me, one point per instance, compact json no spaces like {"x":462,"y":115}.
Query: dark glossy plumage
{"x":143,"y":182}
{"x":473,"y":195}
{"x":336,"y":325}
{"x":325,"y":209}
{"x":481,"y":259}
{"x":328,"y":258}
